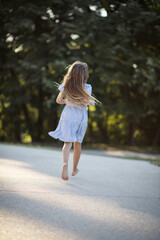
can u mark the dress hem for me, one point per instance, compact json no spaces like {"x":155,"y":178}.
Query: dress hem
{"x":64,"y":140}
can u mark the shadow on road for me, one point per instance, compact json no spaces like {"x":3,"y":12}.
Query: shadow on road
{"x":32,"y":187}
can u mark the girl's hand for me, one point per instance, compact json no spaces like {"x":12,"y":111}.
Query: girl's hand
{"x":63,"y":101}
{"x":61,"y":98}
{"x":92,"y":103}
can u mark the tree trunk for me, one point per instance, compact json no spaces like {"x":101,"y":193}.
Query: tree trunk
{"x":29,"y":124}
{"x":102,"y":126}
{"x":53,"y":119}
{"x":17,"y":131}
{"x":90,"y":129}
{"x":103,"y":131}
{"x":91,"y":133}
{"x":157,"y":137}
{"x":131,"y":133}
{"x":40,"y":117}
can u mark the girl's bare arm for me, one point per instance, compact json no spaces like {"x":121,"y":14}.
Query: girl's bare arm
{"x":60,"y":98}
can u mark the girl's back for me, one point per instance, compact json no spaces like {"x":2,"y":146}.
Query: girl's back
{"x":75,"y":93}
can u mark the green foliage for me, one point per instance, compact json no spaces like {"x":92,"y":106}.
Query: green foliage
{"x":40,"y":39}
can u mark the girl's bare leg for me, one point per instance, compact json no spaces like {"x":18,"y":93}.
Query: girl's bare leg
{"x":66,"y":150}
{"x":76,"y":157}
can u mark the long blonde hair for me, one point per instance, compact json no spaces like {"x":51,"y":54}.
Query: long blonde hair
{"x":73,"y":83}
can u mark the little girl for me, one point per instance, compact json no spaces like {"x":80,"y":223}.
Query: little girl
{"x":76,"y":94}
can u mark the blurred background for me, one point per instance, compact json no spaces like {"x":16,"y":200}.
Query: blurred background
{"x":120,"y":42}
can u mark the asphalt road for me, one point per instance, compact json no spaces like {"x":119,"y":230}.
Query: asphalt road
{"x":109,"y":199}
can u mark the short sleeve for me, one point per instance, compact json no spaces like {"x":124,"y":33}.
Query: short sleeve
{"x":61,"y":88}
{"x":89,"y":88}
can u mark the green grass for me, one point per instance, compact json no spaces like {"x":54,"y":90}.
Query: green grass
{"x":102,"y":146}
{"x":155,"y":161}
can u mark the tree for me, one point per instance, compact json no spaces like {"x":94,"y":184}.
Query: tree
{"x":120,"y":42}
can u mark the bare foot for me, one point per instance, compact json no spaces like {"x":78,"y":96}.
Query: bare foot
{"x":64,"y":175}
{"x":74,"y":172}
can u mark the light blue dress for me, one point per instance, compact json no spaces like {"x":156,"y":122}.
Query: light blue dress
{"x":73,"y":121}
